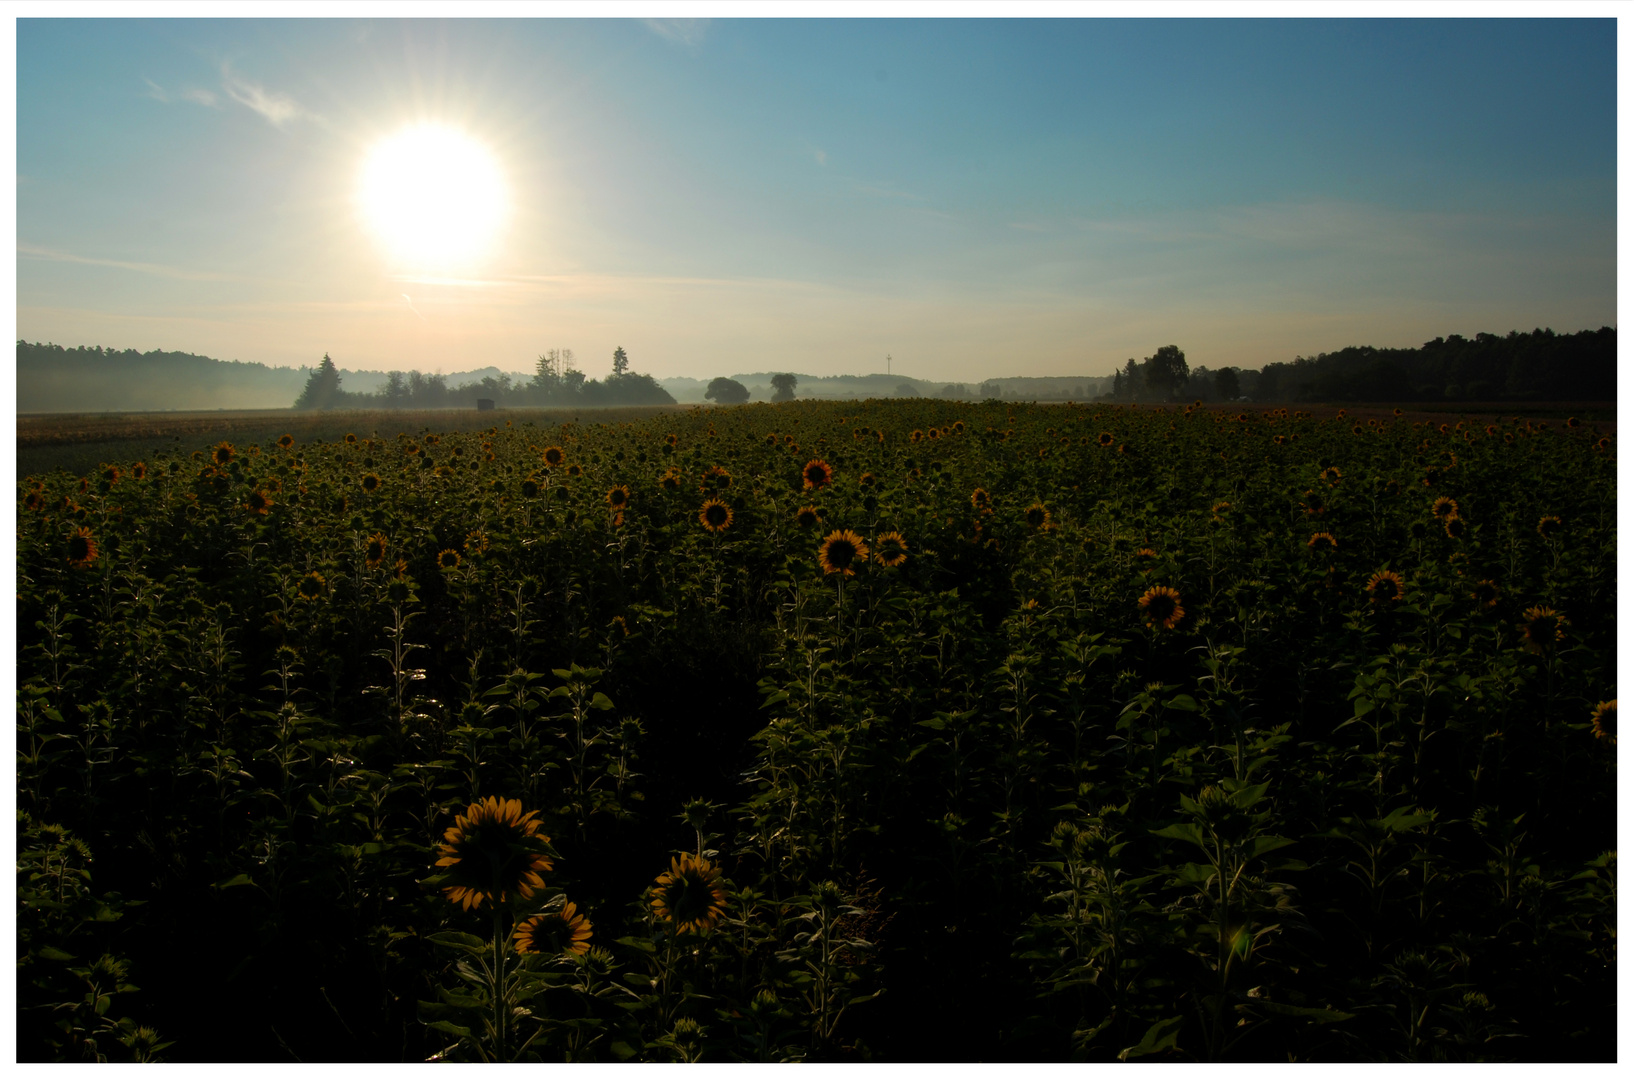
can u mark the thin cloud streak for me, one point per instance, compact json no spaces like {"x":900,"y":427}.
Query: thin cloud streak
{"x":29,"y":251}
{"x":276,"y":108}
{"x":688,"y":32}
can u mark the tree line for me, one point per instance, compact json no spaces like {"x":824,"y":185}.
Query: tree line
{"x":1539,"y":366}
{"x":557,"y":382}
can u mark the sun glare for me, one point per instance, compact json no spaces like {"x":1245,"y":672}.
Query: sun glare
{"x":432,"y":196}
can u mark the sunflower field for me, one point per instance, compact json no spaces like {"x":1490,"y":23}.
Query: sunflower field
{"x":891,"y":731}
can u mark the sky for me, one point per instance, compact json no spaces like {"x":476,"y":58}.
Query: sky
{"x":972,"y":197}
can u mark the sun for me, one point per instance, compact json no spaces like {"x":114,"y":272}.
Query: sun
{"x":433,"y":196}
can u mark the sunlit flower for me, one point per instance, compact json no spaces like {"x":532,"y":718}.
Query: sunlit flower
{"x":1322,"y":541}
{"x":1604,"y":721}
{"x":1543,"y":626}
{"x":841,"y":550}
{"x":715,"y":515}
{"x":618,"y":497}
{"x":553,"y":456}
{"x":817,"y":473}
{"x":1161,"y":606}
{"x":890,"y":549}
{"x":286,"y":441}
{"x":1385,"y":586}
{"x":1445,"y":508}
{"x":111,"y":474}
{"x":351,"y":440}
{"x":81,"y":548}
{"x":915,"y":435}
{"x":448,"y":559}
{"x":689,"y":895}
{"x":491,"y":851}
{"x":554,"y":933}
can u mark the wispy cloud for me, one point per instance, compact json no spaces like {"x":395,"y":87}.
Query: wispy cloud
{"x":688,"y":32}
{"x":29,"y":251}
{"x":276,"y":108}
{"x":194,"y":94}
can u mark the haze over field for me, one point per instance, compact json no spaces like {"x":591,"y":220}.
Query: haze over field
{"x":974,"y":198}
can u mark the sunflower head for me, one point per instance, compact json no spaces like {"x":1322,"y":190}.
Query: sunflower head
{"x":575,"y":471}
{"x":714,"y":479}
{"x":1322,"y":542}
{"x":476,"y":542}
{"x":1486,"y":595}
{"x":553,"y":456}
{"x":112,"y":473}
{"x":81,"y":548}
{"x":448,"y":559}
{"x":806,"y":516}
{"x":370,"y":482}
{"x":258,"y":502}
{"x":139,"y":471}
{"x":310,"y":587}
{"x":530,"y":488}
{"x":817,"y":474}
{"x":492,"y":851}
{"x":981,"y":500}
{"x":286,"y":441}
{"x":222,"y":454}
{"x":670,"y":481}
{"x":618,"y":498}
{"x":715,"y":515}
{"x":1161,"y":606}
{"x":374,"y":552}
{"x":554,"y":933}
{"x":1037,"y":516}
{"x":1548,"y":526}
{"x":1384,"y":587}
{"x":1444,"y":508}
{"x":1332,"y":475}
{"x":1105,"y":439}
{"x":1543,"y":626}
{"x":1456,"y":528}
{"x":891,"y":550}
{"x":689,"y":895}
{"x":1604,"y":721}
{"x":351,"y":440}
{"x":841,"y":551}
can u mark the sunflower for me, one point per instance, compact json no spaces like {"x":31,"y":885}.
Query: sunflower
{"x":1314,"y":505}
{"x":575,"y":471}
{"x":981,"y":500}
{"x":370,"y":482}
{"x":81,"y":548}
{"x":1604,"y":721}
{"x":1219,"y":510}
{"x":564,"y":931}
{"x":1162,"y":607}
{"x":1332,"y":475}
{"x":1385,"y":586}
{"x":689,"y":895}
{"x":842,"y":549}
{"x":491,"y":851}
{"x":1543,"y":626}
{"x":891,"y":550}
{"x":553,"y":456}
{"x":258,"y":502}
{"x":715,"y":515}
{"x":958,"y":427}
{"x":374,"y":552}
{"x":915,"y":435}
{"x":112,"y":474}
{"x":1037,"y":517}
{"x":1322,"y":541}
{"x":618,"y":498}
{"x":715,"y":477}
{"x":1456,"y":528}
{"x":448,"y":559}
{"x":866,"y":480}
{"x":351,"y":440}
{"x":1486,"y":594}
{"x":1548,"y":526}
{"x":818,"y":474}
{"x":806,"y":516}
{"x":222,"y":454}
{"x":530,"y":488}
{"x":286,"y":441}
{"x":310,"y":587}
{"x":476,"y":542}
{"x":1106,"y":438}
{"x":139,"y":471}
{"x":1445,"y":508}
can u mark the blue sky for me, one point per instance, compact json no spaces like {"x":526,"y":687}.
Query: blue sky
{"x":974,"y":197}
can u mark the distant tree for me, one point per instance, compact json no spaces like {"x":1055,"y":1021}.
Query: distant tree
{"x":907,"y":390}
{"x":322,"y":390}
{"x":621,"y":361}
{"x":1165,"y":372}
{"x":953,"y":390}
{"x":724,"y":391}
{"x":395,"y":391}
{"x":1227,"y":387}
{"x":783,"y":387}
